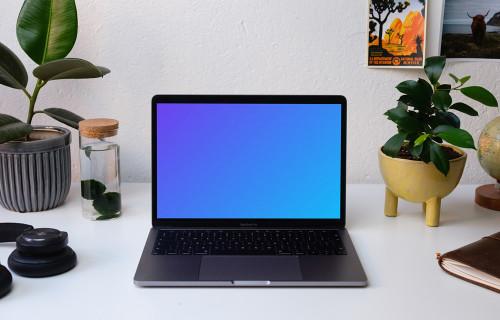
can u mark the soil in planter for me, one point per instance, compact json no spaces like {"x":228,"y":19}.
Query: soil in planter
{"x":404,"y":153}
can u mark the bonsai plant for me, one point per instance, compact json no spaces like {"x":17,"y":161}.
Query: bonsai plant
{"x":424,"y":119}
{"x":46,"y":31}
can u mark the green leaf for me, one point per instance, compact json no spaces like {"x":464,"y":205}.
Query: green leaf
{"x":108,"y":203}
{"x":434,"y":67}
{"x":415,"y":150}
{"x":402,"y":105}
{"x":458,"y":137}
{"x":433,"y":122}
{"x":69,"y":68}
{"x":407,"y":87}
{"x":396,"y":113}
{"x":13,"y":131}
{"x":5,"y":119}
{"x":412,"y":136}
{"x":405,"y":99}
{"x":47,"y":29}
{"x":107,"y":217}
{"x":413,"y":88}
{"x":418,"y":102}
{"x":12,"y":128}
{"x":410,"y":124}
{"x":91,"y":189}
{"x":462,"y":107}
{"x":464,"y":79}
{"x":393,"y":145}
{"x":64,"y":116}
{"x":420,"y":140}
{"x":480,"y":94}
{"x":12,"y":71}
{"x":426,"y":150}
{"x":439,"y":158}
{"x":426,"y":87}
{"x":441,"y":128}
{"x":454,"y":78}
{"x":442,"y":100}
{"x":448,"y":118}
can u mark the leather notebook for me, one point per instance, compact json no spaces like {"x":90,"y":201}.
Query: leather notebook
{"x":477,"y":262}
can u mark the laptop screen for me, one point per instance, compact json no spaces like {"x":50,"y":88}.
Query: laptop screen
{"x":248,"y":160}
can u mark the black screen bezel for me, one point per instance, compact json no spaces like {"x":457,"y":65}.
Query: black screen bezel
{"x":250,"y":223}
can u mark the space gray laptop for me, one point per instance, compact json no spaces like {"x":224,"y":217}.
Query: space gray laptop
{"x":249,"y":191}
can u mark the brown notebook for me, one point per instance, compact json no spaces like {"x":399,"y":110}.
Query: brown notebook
{"x":478,"y":262}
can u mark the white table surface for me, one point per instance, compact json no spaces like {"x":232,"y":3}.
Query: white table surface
{"x":398,"y":254}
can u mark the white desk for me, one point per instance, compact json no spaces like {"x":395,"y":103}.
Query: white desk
{"x":398,"y":254}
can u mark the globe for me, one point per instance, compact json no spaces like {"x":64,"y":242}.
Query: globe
{"x":488,"y":151}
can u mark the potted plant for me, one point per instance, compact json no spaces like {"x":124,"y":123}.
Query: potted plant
{"x":35,"y":163}
{"x":414,"y":163}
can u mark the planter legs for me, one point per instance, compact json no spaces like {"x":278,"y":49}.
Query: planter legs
{"x":432,"y":211}
{"x":391,"y":203}
{"x":432,"y":208}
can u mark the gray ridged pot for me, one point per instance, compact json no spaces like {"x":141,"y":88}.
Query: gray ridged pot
{"x":36,"y":175}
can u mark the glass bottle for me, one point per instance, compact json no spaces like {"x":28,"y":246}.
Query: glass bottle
{"x":100,"y":169}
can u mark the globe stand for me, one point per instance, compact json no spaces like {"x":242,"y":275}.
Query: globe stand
{"x":488,"y":196}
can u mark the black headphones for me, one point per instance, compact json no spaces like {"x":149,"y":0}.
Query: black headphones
{"x":41,"y":252}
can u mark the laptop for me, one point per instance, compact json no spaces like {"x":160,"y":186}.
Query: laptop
{"x":249,"y":190}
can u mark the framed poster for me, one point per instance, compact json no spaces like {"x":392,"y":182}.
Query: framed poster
{"x":396,"y":33}
{"x":471,"y":30}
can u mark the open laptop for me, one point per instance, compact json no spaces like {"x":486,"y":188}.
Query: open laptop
{"x":249,"y":191}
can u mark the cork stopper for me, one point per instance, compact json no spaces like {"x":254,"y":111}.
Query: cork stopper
{"x":98,"y":128}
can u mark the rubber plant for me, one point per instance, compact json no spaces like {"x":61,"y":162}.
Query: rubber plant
{"x":424,"y":116}
{"x":46,"y":31}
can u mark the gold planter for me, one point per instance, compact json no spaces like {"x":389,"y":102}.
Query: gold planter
{"x":418,"y":182}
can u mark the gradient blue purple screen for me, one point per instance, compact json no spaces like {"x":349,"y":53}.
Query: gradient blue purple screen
{"x":248,"y":161}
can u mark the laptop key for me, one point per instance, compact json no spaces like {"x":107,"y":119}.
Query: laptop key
{"x":158,"y":250}
{"x":340,"y":251}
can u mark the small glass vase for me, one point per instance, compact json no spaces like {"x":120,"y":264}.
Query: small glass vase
{"x":100,"y":169}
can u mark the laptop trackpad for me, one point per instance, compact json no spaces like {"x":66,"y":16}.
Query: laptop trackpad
{"x":230,"y":268}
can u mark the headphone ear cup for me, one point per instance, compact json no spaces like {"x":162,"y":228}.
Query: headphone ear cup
{"x":10,"y":231}
{"x":37,"y":266}
{"x":42,"y":241}
{"x":5,"y":281}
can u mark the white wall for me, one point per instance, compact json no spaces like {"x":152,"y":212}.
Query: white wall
{"x":235,"y":47}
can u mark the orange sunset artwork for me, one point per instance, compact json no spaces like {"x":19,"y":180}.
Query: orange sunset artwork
{"x":400,"y":40}
{"x":396,"y":33}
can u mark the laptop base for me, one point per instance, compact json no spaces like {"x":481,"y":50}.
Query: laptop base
{"x":249,"y":271}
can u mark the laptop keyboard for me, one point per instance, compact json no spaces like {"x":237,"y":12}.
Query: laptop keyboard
{"x":248,"y":242}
